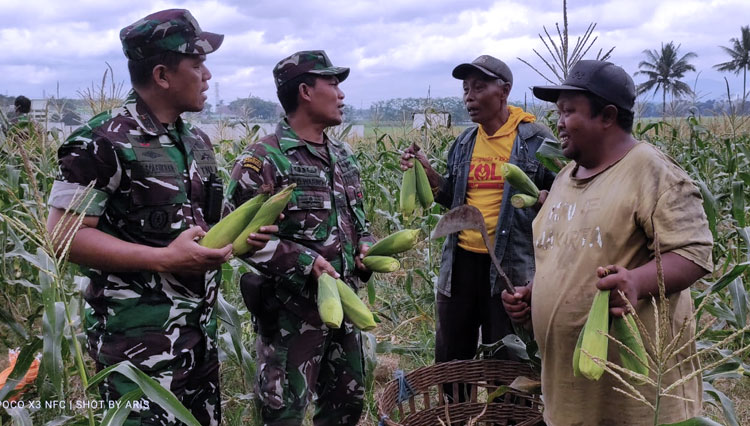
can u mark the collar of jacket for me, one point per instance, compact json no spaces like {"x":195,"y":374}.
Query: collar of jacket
{"x":525,"y":131}
{"x":147,"y":121}
{"x":288,"y":138}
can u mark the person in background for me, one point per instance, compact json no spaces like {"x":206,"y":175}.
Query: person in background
{"x":468,"y":295}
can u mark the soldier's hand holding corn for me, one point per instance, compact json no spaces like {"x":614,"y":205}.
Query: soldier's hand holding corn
{"x":322,"y":265}
{"x":258,"y":240}
{"x":363,"y":248}
{"x":186,"y":256}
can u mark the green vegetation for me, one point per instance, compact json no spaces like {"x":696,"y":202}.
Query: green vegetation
{"x":41,"y":301}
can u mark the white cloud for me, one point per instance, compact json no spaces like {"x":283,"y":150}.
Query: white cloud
{"x":30,"y":74}
{"x":395,"y":48}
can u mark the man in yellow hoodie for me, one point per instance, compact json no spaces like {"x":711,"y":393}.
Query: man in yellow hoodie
{"x":468,"y":296}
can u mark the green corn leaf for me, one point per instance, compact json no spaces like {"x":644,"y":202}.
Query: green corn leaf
{"x":117,"y":416}
{"x":709,"y":206}
{"x":53,"y":324}
{"x":738,"y":203}
{"x":150,"y":387}
{"x":728,"y":370}
{"x":20,"y":416}
{"x":231,"y":321}
{"x":23,"y":362}
{"x":497,"y":393}
{"x":53,"y":327}
{"x":695,"y":421}
{"x":744,"y":233}
{"x":371,"y":292}
{"x":730,"y":276}
{"x":7,"y":319}
{"x":516,"y":346}
{"x":739,"y":302}
{"x":727,"y":405}
{"x":551,"y":156}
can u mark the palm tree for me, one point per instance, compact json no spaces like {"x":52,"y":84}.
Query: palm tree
{"x":664,"y":71}
{"x":740,"y":54}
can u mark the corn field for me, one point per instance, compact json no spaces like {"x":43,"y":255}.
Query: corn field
{"x":41,"y":301}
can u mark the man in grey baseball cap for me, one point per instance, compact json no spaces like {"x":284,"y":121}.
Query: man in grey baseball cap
{"x":468,"y":296}
{"x":488,"y":65}
{"x":597,"y":230}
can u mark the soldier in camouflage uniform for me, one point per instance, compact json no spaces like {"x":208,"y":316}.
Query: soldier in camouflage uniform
{"x":323,"y":230}
{"x":153,"y":193}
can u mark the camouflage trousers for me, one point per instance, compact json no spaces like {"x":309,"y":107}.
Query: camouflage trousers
{"x":193,"y":377}
{"x":304,"y":357}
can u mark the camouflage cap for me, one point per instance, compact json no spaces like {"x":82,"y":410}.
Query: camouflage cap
{"x":308,"y":61}
{"x":168,"y":30}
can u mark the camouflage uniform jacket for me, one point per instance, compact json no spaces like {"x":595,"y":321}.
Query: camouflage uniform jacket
{"x":325,"y":215}
{"x":148,"y":187}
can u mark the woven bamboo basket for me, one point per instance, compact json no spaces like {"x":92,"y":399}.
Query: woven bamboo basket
{"x":426,"y":405}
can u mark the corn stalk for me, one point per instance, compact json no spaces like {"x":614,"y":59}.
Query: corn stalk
{"x":561,"y":58}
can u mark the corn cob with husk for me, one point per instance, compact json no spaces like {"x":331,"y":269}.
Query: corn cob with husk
{"x":329,"y":301}
{"x":577,"y":353}
{"x":408,"y":196}
{"x":594,"y":341}
{"x":266,"y":215}
{"x":381,"y":263}
{"x":229,"y":228}
{"x":395,"y":243}
{"x":521,"y":181}
{"x":632,"y":353}
{"x":424,"y":191}
{"x":625,"y":330}
{"x":354,"y":309}
{"x":521,"y":201}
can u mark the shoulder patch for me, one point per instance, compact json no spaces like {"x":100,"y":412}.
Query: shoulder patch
{"x":252,"y":163}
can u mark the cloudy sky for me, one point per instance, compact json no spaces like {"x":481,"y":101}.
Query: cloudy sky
{"x":395,"y":48}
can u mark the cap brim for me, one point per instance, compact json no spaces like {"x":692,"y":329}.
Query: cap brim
{"x":340,"y":72}
{"x":551,"y":93}
{"x":462,"y":71}
{"x":212,"y":40}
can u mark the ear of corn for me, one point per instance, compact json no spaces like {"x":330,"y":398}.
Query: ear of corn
{"x":521,"y":201}
{"x":626,"y":331}
{"x":408,"y":196}
{"x":424,"y":191}
{"x":395,"y":243}
{"x":518,"y":178}
{"x":381,"y":263}
{"x":577,"y":353}
{"x":227,"y":229}
{"x":594,"y":340}
{"x":354,"y":309}
{"x":329,"y":302}
{"x":266,"y":215}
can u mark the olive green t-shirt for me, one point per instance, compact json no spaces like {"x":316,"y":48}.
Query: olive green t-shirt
{"x":611,"y":218}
